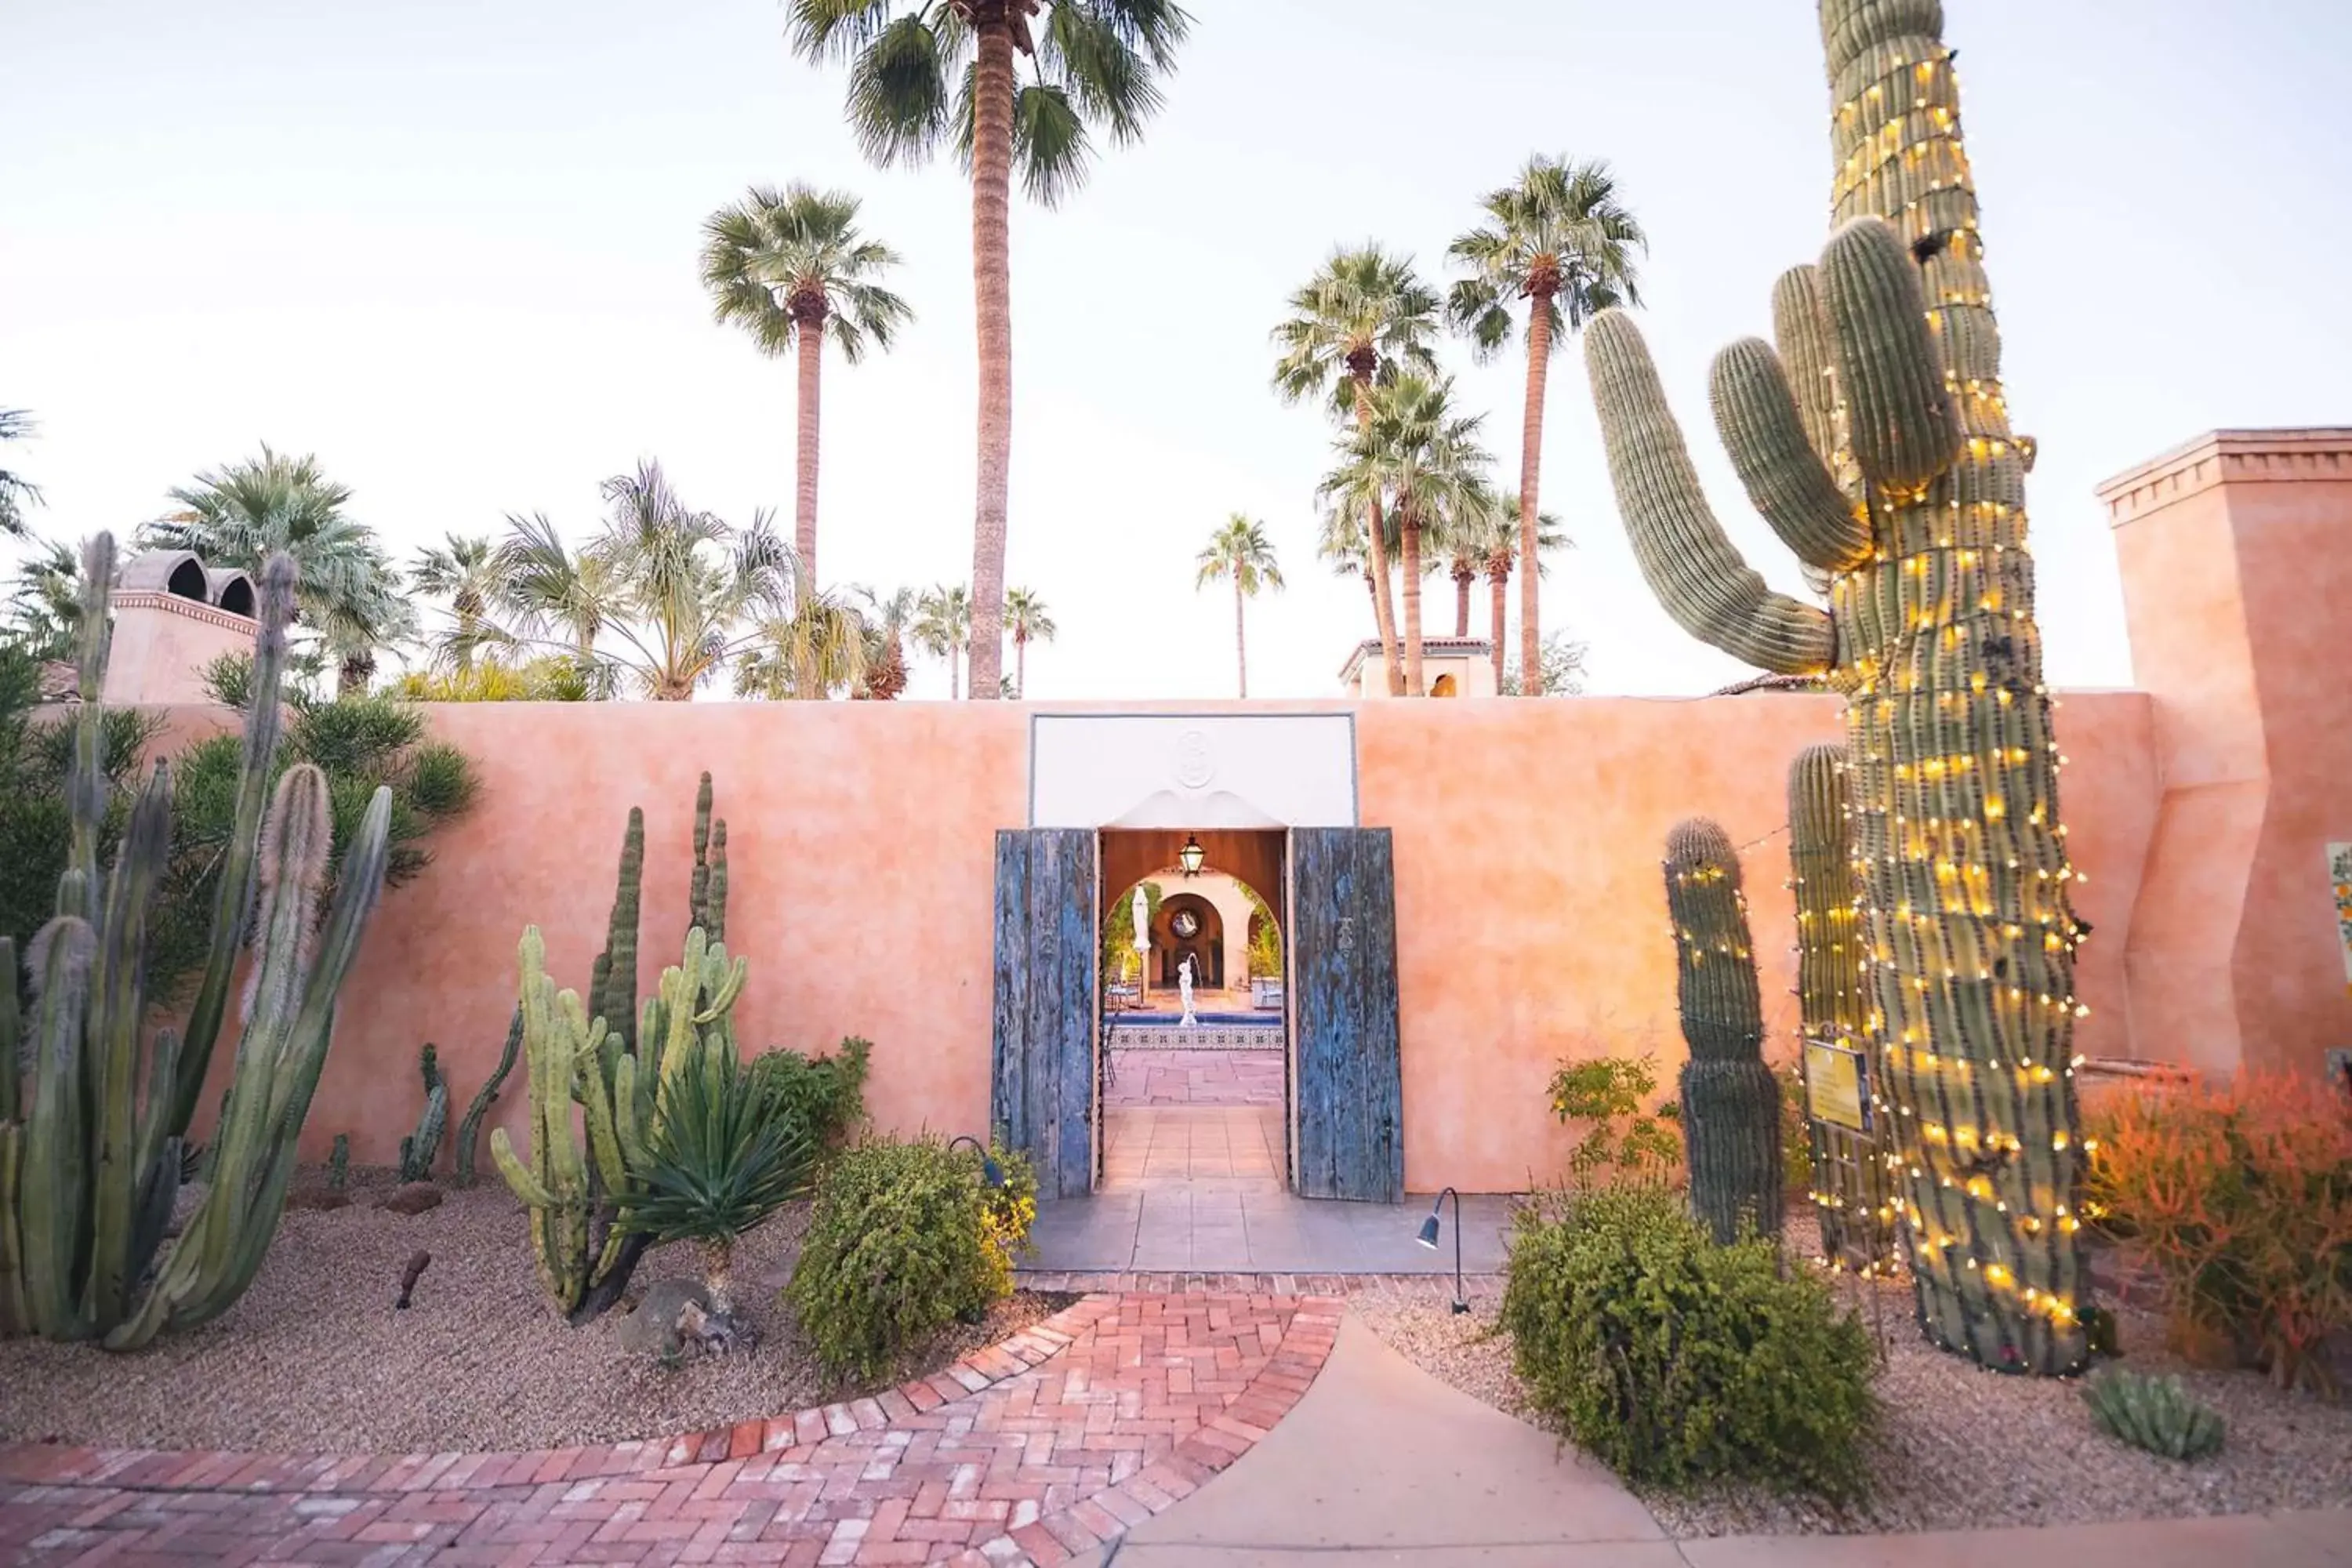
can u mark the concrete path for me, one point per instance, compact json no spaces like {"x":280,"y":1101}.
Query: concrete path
{"x":1379,"y":1463}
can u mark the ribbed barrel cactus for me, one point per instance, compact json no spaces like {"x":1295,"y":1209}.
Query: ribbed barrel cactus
{"x":1887,"y":465}
{"x":89,"y":1160}
{"x":1853,"y":1186}
{"x":1731,"y":1102}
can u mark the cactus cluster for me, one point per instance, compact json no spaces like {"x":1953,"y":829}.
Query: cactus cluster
{"x":1853,"y":1185}
{"x":2156,"y":1413}
{"x":617,"y":1068}
{"x":418,"y":1149}
{"x":91,"y":1161}
{"x":1887,"y":465}
{"x":1731,"y":1102}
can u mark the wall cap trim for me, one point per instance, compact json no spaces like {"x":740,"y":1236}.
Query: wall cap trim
{"x":174,"y":604}
{"x":2319,"y":454}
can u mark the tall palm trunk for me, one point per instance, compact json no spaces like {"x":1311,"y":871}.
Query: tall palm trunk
{"x":1377,"y":548}
{"x":1498,"y":577}
{"x":353,"y":671}
{"x":809,"y":329}
{"x":1410,"y":526}
{"x":1463,"y":578}
{"x":955,"y":660}
{"x":992,"y":282}
{"x":1020,"y":667}
{"x":1241,"y":648}
{"x":1531,"y":471}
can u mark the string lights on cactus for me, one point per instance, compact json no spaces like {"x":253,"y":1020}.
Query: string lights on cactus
{"x":1887,"y":465}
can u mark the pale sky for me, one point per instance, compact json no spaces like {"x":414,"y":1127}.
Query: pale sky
{"x":449,"y":247}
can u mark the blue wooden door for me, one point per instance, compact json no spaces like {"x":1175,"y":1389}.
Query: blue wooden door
{"x":1348,"y":1088}
{"x":1042,"y":1078}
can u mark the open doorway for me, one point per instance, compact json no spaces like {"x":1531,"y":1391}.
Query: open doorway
{"x":1194,"y":1060}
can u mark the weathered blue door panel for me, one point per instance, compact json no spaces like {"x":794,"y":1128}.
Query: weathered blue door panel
{"x":1042,"y":1078}
{"x":1349,"y":1085}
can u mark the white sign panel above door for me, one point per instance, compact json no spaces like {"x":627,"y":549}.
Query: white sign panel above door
{"x":1192,"y":770}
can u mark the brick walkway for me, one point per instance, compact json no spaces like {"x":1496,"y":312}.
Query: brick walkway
{"x":1030,"y":1451}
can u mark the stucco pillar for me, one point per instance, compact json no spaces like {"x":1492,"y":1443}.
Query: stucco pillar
{"x":2236,"y":554}
{"x":162,"y":644}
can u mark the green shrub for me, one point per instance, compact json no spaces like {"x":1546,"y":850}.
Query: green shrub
{"x":823,"y":1098}
{"x":905,"y":1239}
{"x":1625,"y":1137}
{"x":1676,"y":1361}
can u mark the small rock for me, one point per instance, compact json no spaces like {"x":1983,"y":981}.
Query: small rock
{"x":411,"y":1198}
{"x":653,"y":1330}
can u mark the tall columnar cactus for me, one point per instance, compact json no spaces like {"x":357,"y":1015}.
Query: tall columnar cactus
{"x":1852,"y":1191}
{"x":707,"y":895}
{"x":88,"y":1168}
{"x":613,"y":982}
{"x":418,"y":1148}
{"x":1731,"y":1102}
{"x":578,"y":1184}
{"x":1902,"y":482}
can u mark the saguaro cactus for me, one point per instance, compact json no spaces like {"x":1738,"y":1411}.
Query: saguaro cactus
{"x":1900,"y":479}
{"x":1731,"y":1104}
{"x":1852,"y":1191}
{"x":88,"y":1169}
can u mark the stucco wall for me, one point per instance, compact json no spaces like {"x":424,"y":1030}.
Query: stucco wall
{"x":1530,"y":919}
{"x":162,"y":644}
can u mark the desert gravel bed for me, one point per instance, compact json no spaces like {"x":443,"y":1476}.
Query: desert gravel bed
{"x":1963,"y":1448}
{"x":314,"y":1358}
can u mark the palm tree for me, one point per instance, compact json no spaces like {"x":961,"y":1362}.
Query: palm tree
{"x":558,"y":598}
{"x":790,"y":267}
{"x":1241,"y":551}
{"x":16,"y":492}
{"x":1025,"y":617}
{"x":888,"y":619}
{"x":924,"y":73}
{"x":345,"y":588}
{"x":693,"y":591}
{"x":1358,"y":323}
{"x":817,"y":650}
{"x":466,"y":571}
{"x":45,"y":603}
{"x":1486,"y":543}
{"x":1559,"y":239}
{"x":1426,"y":459}
{"x":943,"y":628}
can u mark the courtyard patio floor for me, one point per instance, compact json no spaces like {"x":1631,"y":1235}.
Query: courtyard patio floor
{"x":1200,"y":1189}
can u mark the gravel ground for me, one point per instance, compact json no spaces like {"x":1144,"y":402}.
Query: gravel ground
{"x":1963,"y":1448}
{"x":315,"y":1359}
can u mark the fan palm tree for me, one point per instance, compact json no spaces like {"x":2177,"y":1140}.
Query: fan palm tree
{"x":943,"y":628}
{"x":1004,"y":82}
{"x":45,"y":603}
{"x":1426,"y":456}
{"x":556,"y":597}
{"x":1486,"y":543}
{"x":466,"y":571}
{"x":1558,"y":237}
{"x":692,"y":590}
{"x":1359,"y":321}
{"x":790,"y":267}
{"x":345,"y":587}
{"x":817,"y":650}
{"x":1241,"y":551}
{"x":16,"y":492}
{"x":1026,"y":619}
{"x":889,"y":619}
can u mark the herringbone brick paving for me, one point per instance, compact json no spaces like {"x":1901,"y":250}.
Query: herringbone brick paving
{"x":1029,"y":1451}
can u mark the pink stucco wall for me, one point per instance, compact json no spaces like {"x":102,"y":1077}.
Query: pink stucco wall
{"x":162,"y":644}
{"x":2236,"y":552}
{"x":1530,"y":919}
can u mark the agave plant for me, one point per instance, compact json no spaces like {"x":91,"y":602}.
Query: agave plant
{"x":724,"y":1157}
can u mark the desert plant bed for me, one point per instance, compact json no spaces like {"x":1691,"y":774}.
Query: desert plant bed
{"x":316,"y":1358}
{"x":1960,"y":1447}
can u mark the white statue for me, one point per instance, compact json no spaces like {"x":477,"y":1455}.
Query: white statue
{"x":1184,"y":990}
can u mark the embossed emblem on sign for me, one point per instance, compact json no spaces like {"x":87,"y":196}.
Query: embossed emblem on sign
{"x":1195,"y":766}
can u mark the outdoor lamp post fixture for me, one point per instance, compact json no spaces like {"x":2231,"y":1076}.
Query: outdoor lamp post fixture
{"x":1191,"y":855}
{"x":992,"y":1175}
{"x":1428,"y":1239}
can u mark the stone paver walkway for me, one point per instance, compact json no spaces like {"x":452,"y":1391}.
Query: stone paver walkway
{"x":1061,"y":1438}
{"x":1146,"y":1077}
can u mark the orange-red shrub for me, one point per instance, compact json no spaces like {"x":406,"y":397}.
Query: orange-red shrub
{"x":2239,"y":1196}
